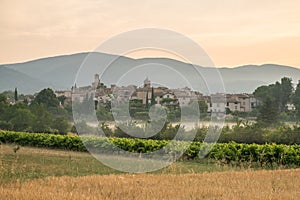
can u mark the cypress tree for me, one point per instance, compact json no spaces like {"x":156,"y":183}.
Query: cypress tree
{"x":16,"y":95}
{"x":147,"y":100}
{"x":152,"y":97}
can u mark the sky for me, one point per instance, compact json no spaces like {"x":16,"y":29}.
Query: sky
{"x":232,"y":32}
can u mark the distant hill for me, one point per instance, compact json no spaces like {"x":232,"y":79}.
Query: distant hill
{"x":60,"y":73}
{"x":9,"y":79}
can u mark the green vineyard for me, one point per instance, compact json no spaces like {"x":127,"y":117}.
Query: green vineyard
{"x":229,"y":153}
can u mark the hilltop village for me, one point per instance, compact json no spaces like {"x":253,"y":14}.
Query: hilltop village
{"x":149,"y":95}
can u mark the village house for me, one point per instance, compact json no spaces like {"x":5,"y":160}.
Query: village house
{"x":232,"y":102}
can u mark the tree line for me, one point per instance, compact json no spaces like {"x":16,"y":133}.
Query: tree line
{"x":274,"y":99}
{"x":43,"y":115}
{"x":49,"y":114}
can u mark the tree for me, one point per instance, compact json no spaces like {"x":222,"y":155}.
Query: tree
{"x":268,"y":113}
{"x":285,"y":92}
{"x":43,"y":120}
{"x":296,"y":99}
{"x":152,"y":97}
{"x":22,"y":120}
{"x":46,"y":97}
{"x":147,"y":100}
{"x":61,"y":125}
{"x":275,"y":91}
{"x":16,"y":94}
{"x":11,"y":110}
{"x":103,"y":113}
{"x":3,"y":105}
{"x":279,"y":93}
{"x":202,"y":108}
{"x":262,"y":92}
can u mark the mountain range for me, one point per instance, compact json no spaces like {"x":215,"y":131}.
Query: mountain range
{"x":62,"y":72}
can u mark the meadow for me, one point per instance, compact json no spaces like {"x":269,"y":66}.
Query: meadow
{"x":47,"y":166}
{"x":41,"y":173}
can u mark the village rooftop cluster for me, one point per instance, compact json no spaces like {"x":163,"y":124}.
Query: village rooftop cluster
{"x":217,"y":103}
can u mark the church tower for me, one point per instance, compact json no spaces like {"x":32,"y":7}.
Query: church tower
{"x":147,"y":83}
{"x":96,"y":82}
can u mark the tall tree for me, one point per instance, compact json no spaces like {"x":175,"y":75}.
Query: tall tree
{"x":202,"y":108}
{"x":152,"y":97}
{"x":285,"y":92}
{"x":296,"y":99}
{"x":16,"y":94}
{"x":147,"y":100}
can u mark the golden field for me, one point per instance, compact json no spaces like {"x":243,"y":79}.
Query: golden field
{"x":277,"y":184}
{"x":42,"y":174}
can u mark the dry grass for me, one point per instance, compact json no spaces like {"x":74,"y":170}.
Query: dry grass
{"x":32,"y":163}
{"x":277,"y":184}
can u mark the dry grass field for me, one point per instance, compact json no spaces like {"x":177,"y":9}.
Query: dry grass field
{"x":277,"y":184}
{"x":37,"y":173}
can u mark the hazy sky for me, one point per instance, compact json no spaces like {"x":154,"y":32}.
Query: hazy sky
{"x":232,"y":32}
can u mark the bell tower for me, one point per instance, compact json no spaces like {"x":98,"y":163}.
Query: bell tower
{"x":96,"y":82}
{"x":147,"y":83}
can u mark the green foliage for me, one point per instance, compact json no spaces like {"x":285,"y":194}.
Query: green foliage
{"x":147,"y":100}
{"x":104,"y":114}
{"x":286,"y":90}
{"x":274,"y":98}
{"x":202,"y":108}
{"x":22,"y":120}
{"x":296,"y":99}
{"x":268,"y":113}
{"x":61,"y":125}
{"x":44,"y":115}
{"x":43,"y":120}
{"x":16,"y":95}
{"x":4,"y":125}
{"x":3,"y":106}
{"x":47,"y":98}
{"x":229,"y":153}
{"x":152,"y":97}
